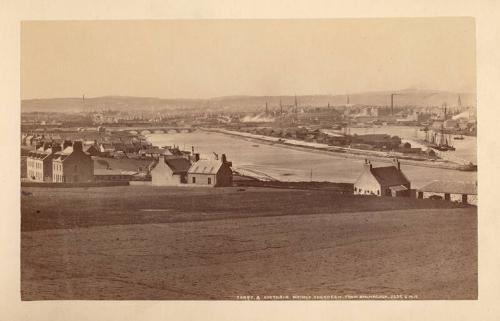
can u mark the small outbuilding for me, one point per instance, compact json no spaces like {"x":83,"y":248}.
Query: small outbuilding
{"x":464,"y":192}
{"x":113,"y":175}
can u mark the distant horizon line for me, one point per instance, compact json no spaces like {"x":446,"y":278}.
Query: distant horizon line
{"x":248,"y":95}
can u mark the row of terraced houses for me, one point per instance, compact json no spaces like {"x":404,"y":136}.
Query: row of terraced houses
{"x":70,"y":162}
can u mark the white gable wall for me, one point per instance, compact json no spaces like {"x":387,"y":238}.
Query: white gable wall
{"x":162,"y":175}
{"x":366,"y":184}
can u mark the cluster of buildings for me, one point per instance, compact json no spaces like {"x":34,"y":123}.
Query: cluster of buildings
{"x":94,"y":143}
{"x":65,"y":163}
{"x":170,"y":171}
{"x":71,"y":162}
{"x":391,"y":181}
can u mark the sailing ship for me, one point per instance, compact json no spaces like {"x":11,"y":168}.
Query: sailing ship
{"x":439,"y":141}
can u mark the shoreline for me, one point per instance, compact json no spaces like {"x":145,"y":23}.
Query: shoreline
{"x":333,"y":151}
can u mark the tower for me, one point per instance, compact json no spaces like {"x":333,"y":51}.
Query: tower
{"x":392,"y":104}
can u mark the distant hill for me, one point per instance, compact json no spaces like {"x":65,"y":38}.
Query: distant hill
{"x":412,"y":97}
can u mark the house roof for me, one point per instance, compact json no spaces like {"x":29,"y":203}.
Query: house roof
{"x":67,"y":151}
{"x":178,"y":165}
{"x":398,"y":188}
{"x":64,"y":154}
{"x":155,"y":150}
{"x":88,"y":147}
{"x":104,"y":172}
{"x":205,"y":166}
{"x":450,"y":187}
{"x":40,"y":154}
{"x":107,"y":146}
{"x":389,"y":176}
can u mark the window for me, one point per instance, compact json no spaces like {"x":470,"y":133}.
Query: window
{"x":210,"y":181}
{"x":194,"y":180}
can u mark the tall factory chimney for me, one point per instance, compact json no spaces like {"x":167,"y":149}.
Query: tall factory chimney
{"x":392,"y":104}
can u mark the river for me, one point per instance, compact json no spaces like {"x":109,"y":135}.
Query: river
{"x":466,"y":149}
{"x":288,"y":164}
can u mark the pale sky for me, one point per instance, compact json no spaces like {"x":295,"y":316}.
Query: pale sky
{"x":209,"y":58}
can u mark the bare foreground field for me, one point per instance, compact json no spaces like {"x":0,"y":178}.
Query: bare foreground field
{"x":200,"y":243}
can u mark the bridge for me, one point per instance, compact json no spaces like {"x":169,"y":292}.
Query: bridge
{"x":151,"y":130}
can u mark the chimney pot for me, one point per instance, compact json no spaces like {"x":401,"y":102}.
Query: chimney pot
{"x":77,"y":146}
{"x":56,"y":148}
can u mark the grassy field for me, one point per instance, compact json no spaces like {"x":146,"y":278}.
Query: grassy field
{"x":201,"y":243}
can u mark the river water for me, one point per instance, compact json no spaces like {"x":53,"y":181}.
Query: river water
{"x":288,"y":164}
{"x":466,"y":149}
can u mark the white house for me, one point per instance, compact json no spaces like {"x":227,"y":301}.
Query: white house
{"x":211,"y":172}
{"x":382,"y":181}
{"x":170,"y":171}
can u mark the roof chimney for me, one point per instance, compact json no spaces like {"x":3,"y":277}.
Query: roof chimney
{"x":77,"y":146}
{"x":397,"y":163}
{"x":56,"y":148}
{"x":196,"y":157}
{"x":65,"y":144}
{"x":223,"y":158}
{"x":367,"y":164}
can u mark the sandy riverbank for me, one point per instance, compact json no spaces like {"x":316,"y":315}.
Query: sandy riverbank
{"x":337,"y":151}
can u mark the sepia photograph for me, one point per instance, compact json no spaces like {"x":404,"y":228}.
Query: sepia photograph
{"x":249,"y":159}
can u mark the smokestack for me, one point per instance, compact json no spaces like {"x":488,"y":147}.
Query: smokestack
{"x":392,"y":104}
{"x":192,"y":150}
{"x":267,"y":109}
